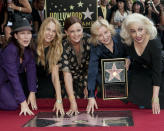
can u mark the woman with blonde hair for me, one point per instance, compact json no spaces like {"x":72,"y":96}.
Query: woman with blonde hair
{"x":49,"y":50}
{"x":140,"y":34}
{"x":106,"y":44}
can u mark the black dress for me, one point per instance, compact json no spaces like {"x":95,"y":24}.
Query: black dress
{"x":45,"y":88}
{"x":144,"y":73}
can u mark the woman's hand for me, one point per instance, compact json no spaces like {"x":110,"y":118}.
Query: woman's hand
{"x":85,"y":93}
{"x":119,"y":24}
{"x":91,"y":104}
{"x":155,"y":105}
{"x":155,"y":100}
{"x":12,"y":5}
{"x":32,"y":100}
{"x":25,"y":109}
{"x":73,"y":108}
{"x":58,"y":106}
{"x":127,"y":63}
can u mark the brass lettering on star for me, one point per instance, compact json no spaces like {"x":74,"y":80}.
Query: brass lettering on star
{"x":61,"y":16}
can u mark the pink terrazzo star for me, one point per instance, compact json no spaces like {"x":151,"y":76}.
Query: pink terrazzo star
{"x":114,"y":72}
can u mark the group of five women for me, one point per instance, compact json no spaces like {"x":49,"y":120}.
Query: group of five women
{"x":78,"y":55}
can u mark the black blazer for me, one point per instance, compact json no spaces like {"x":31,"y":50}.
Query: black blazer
{"x":36,"y":16}
{"x":108,"y":14}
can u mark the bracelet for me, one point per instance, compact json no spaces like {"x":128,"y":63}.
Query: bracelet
{"x":156,"y":100}
{"x":91,"y":98}
{"x":72,"y":97}
{"x":59,"y":101}
{"x":20,"y":9}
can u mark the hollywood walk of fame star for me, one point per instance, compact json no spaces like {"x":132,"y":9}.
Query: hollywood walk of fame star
{"x":114,"y":72}
{"x":88,"y":14}
{"x":71,"y":7}
{"x":80,"y":4}
{"x":101,"y":118}
{"x":83,"y":118}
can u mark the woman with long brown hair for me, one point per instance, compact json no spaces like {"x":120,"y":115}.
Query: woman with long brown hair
{"x":74,"y":61}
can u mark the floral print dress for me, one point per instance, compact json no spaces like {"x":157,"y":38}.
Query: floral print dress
{"x":76,"y":64}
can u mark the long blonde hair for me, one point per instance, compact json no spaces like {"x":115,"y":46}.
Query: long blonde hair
{"x":55,"y":48}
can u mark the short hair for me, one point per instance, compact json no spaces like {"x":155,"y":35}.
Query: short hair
{"x":70,"y":21}
{"x":94,"y":30}
{"x":133,"y":19}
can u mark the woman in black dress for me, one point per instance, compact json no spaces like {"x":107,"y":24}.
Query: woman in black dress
{"x":145,"y":71}
{"x":49,"y":50}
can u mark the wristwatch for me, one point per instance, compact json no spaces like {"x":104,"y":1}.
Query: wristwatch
{"x":59,"y":101}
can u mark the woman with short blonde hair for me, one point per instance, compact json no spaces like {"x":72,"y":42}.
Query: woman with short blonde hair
{"x":94,"y":30}
{"x":107,"y":45}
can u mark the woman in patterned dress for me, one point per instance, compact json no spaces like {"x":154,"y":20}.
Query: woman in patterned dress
{"x":74,"y":62}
